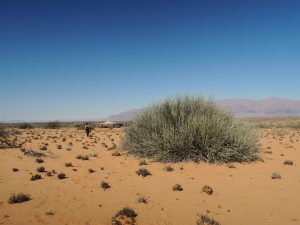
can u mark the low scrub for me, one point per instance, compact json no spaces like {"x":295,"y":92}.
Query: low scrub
{"x":53,"y":125}
{"x":25,"y":126}
{"x":276,"y":175}
{"x":177,"y":187}
{"x":205,"y":220}
{"x":124,"y":216}
{"x":143,"y":172}
{"x":191,"y":128}
{"x":19,"y":198}
{"x":105,"y":185}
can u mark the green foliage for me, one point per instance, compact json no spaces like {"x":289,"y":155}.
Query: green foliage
{"x":190,"y":128}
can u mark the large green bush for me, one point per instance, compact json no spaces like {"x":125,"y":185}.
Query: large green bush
{"x":190,"y":128}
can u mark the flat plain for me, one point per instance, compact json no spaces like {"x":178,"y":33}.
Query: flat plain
{"x":242,"y":194}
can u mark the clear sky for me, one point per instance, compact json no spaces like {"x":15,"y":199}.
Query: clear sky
{"x":89,"y":59}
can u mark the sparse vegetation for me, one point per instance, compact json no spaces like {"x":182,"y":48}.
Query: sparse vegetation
{"x":53,"y":125}
{"x":105,"y":185}
{"x":25,"y":126}
{"x":116,"y":154}
{"x":40,"y":169}
{"x":19,"y":198}
{"x":49,"y":174}
{"x":30,"y":152}
{"x":43,"y":147}
{"x":143,"y":163}
{"x":142,"y":199}
{"x":231,"y":166}
{"x":207,"y":189}
{"x":276,"y":175}
{"x":15,"y":169}
{"x":49,"y":213}
{"x":83,"y":157}
{"x":177,"y":187}
{"x":8,"y":139}
{"x":125,"y":212}
{"x":191,"y":128}
{"x":68,"y":164}
{"x":92,"y":171}
{"x":36,"y":177}
{"x":205,"y":220}
{"x":39,"y":160}
{"x":143,"y":172}
{"x":288,"y":162}
{"x":169,"y":168}
{"x":61,"y":176}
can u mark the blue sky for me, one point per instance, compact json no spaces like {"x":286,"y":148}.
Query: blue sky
{"x":89,"y":59}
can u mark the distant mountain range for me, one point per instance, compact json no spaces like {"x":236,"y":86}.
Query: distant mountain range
{"x":241,"y":107}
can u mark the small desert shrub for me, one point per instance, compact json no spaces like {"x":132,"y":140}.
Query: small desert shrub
{"x":43,"y":148}
{"x":49,"y":213}
{"x":288,"y":162}
{"x":205,"y":220}
{"x":116,"y":154}
{"x":105,"y":185}
{"x":68,"y":164}
{"x":82,"y":157}
{"x":39,"y":160}
{"x":92,"y":171}
{"x":276,"y":176}
{"x":15,"y":169}
{"x":61,"y":176}
{"x":143,"y":163}
{"x":142,"y":199}
{"x":40,"y":169}
{"x":168,"y":168}
{"x":190,"y":128}
{"x":94,"y":155}
{"x":36,"y":177}
{"x":59,"y":146}
{"x":143,"y":172}
{"x":231,"y":166}
{"x":49,"y":174}
{"x":207,"y":189}
{"x":30,"y":152}
{"x":177,"y":187}
{"x":125,"y":212}
{"x":19,"y":198}
{"x":25,"y":126}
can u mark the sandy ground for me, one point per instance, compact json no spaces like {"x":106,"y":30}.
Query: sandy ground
{"x":242,"y":195}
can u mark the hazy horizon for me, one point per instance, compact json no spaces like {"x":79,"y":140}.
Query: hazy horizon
{"x":89,"y":59}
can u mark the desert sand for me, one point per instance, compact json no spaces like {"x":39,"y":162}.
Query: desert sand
{"x":244,"y":195}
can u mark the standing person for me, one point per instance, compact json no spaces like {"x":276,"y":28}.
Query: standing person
{"x":88,"y":129}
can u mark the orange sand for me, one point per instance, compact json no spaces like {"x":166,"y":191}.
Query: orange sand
{"x":245,"y":195}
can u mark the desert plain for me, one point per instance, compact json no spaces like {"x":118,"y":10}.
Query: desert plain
{"x":243,"y":193}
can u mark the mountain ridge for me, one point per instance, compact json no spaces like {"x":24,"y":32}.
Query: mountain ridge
{"x":268,"y":107}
